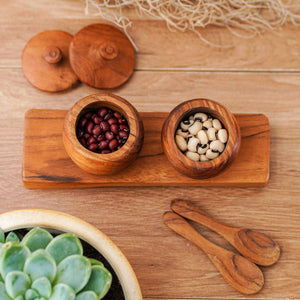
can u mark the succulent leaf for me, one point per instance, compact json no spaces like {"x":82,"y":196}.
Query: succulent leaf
{"x":31,"y":294}
{"x":37,"y":238}
{"x":74,"y":271}
{"x":99,"y":281}
{"x":30,"y":267}
{"x":63,"y":246}
{"x":17,"y":283}
{"x":62,"y":291}
{"x":2,"y":236}
{"x":87,"y":295}
{"x":12,"y":237}
{"x":94,"y":261}
{"x":42,"y":286}
{"x":40,"y":264}
{"x":12,"y":257}
{"x":3,"y":293}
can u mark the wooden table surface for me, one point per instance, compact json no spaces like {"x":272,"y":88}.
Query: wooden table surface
{"x":260,"y":75}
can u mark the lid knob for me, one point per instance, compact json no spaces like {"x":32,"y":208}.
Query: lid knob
{"x":108,"y":51}
{"x":52,"y":55}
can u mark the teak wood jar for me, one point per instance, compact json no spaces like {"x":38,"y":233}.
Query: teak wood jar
{"x":200,"y":169}
{"x":96,"y":163}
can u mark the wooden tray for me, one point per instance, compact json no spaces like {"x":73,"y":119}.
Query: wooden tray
{"x":47,"y":165}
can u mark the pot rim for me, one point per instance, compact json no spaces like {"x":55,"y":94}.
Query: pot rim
{"x":200,"y":170}
{"x":17,"y":219}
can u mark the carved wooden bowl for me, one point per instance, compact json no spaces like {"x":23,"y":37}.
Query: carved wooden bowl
{"x":96,"y":163}
{"x":200,"y":169}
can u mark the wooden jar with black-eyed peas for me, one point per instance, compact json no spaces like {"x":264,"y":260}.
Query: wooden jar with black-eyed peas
{"x":200,"y":138}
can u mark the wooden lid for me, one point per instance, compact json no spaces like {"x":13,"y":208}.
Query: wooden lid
{"x":102,"y":56}
{"x":45,"y":61}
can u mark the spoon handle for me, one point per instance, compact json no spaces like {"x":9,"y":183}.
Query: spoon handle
{"x":192,"y":212}
{"x":242,"y":274}
{"x":182,"y":227}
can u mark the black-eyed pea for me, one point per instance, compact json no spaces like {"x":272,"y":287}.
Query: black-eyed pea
{"x":211,"y":133}
{"x":207,"y":124}
{"x":202,"y":136}
{"x":193,"y":144}
{"x":191,"y":118}
{"x":217,"y":145}
{"x":222,"y":135}
{"x":181,"y":142}
{"x":184,"y":125}
{"x":203,"y":157}
{"x":195,"y":128}
{"x":183,"y":133}
{"x":210,"y":154}
{"x":200,"y":117}
{"x":192,"y":155}
{"x":203,"y":148}
{"x":216,"y":124}
{"x":189,"y":137}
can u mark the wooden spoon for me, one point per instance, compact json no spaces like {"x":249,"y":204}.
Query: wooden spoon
{"x":254,"y":245}
{"x":242,"y":274}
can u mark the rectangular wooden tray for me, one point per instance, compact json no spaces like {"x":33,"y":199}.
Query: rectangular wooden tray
{"x":47,"y":165}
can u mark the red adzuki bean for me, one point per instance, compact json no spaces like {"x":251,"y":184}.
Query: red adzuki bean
{"x":114,"y":128}
{"x":117,"y":115}
{"x":97,"y":130}
{"x":93,"y":147}
{"x":104,"y":125}
{"x":89,"y":127}
{"x":102,"y":131}
{"x":112,"y":121}
{"x":97,"y":119}
{"x":102,"y":112}
{"x":107,"y":117}
{"x":123,"y":134}
{"x":109,"y":135}
{"x":105,"y":151}
{"x":82,"y":141}
{"x":103,"y":145}
{"x":91,"y":140}
{"x":113,"y":144}
{"x":88,"y":115}
{"x":124,"y":127}
{"x":100,"y":138}
{"x":82,"y":122}
{"x":86,"y":136}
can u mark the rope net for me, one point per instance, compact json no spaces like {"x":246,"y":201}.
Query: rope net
{"x":244,"y":18}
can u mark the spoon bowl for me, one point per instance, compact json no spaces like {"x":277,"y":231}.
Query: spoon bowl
{"x":242,"y":274}
{"x":254,"y":245}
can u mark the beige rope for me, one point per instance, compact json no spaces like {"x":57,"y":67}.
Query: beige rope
{"x":251,"y":16}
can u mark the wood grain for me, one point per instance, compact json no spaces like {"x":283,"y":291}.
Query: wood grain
{"x":254,"y":245}
{"x":45,"y":61}
{"x":47,"y":165}
{"x":242,"y":274}
{"x":92,"y":162}
{"x":276,"y":50}
{"x":260,"y":75}
{"x":102,"y":56}
{"x":203,"y":169}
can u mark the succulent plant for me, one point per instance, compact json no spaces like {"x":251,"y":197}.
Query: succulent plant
{"x":42,"y":267}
